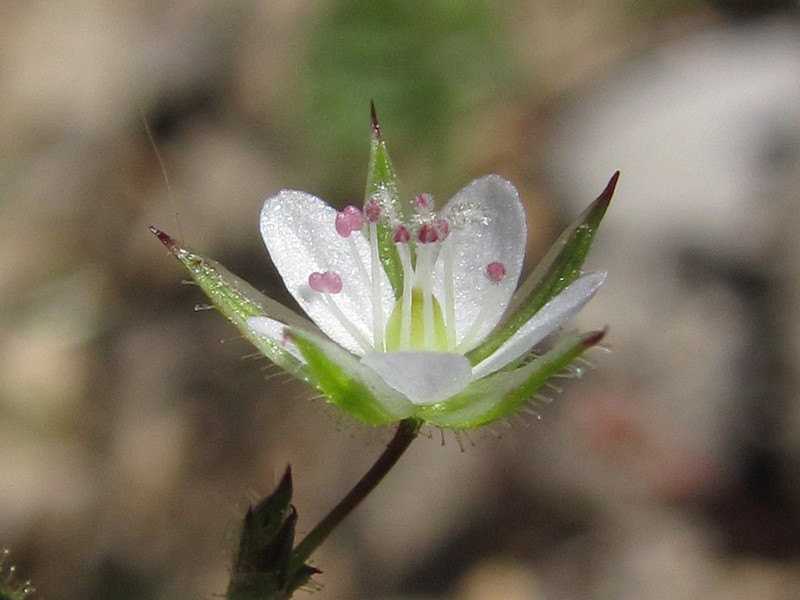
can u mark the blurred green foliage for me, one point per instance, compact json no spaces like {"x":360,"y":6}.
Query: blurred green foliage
{"x":425,"y":64}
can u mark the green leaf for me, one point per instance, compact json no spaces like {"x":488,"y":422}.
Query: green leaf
{"x":238,"y":300}
{"x":501,"y":393}
{"x":382,"y":185}
{"x":348,"y":383}
{"x":561,"y":266}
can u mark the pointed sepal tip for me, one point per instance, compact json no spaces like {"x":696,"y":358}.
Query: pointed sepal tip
{"x":608,"y":192}
{"x":594,"y":338}
{"x":163,"y":237}
{"x":373,"y":115}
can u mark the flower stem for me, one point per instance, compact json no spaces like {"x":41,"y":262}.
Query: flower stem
{"x":406,"y":432}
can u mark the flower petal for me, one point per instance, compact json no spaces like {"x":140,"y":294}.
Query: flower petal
{"x":299,"y":232}
{"x":423,"y":377}
{"x":544,"y":322}
{"x":487,"y":225}
{"x":499,"y":394}
{"x":348,"y":383}
{"x":561,"y":266}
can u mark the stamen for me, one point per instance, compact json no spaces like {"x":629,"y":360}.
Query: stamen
{"x":449,"y":295}
{"x":428,"y":233}
{"x":401,"y":235}
{"x":356,"y":257}
{"x":349,"y":327}
{"x":401,"y":238}
{"x":349,"y":220}
{"x":423,"y":272}
{"x":342,"y":226}
{"x":373,"y":210}
{"x":377,"y":304}
{"x":326,"y":283}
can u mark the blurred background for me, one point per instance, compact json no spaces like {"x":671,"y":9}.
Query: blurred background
{"x":135,"y":430}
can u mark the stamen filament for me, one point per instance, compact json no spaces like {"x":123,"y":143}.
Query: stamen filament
{"x":373,"y":284}
{"x":377,"y":304}
{"x":349,"y":327}
{"x":362,"y":270}
{"x":424,"y":272}
{"x":407,"y":299}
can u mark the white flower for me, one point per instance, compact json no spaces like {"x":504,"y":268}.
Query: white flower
{"x":413,"y":312}
{"x":460,"y":267}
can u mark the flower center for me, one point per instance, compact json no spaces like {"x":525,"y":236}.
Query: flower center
{"x":412,"y":335}
{"x":420,"y":320}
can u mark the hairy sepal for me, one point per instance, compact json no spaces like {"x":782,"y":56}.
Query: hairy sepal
{"x":382,"y":185}
{"x":501,"y":393}
{"x":237,"y":300}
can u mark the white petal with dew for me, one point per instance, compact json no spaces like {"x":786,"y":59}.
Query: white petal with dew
{"x":423,"y":377}
{"x":561,"y":308}
{"x":275,"y":331}
{"x":487,"y":224}
{"x":300,"y":235}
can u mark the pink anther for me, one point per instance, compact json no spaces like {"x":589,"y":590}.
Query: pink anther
{"x":424,"y":201}
{"x":495,"y":271}
{"x":428,"y":233}
{"x":349,"y":220}
{"x":327,"y":282}
{"x":372,"y":210}
{"x":401,"y":235}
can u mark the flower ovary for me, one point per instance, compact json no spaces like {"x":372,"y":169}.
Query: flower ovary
{"x":415,"y":338}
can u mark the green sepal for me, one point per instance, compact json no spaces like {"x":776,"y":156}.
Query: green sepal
{"x":348,"y":383}
{"x":501,"y":393}
{"x":561,"y":266}
{"x":382,"y":185}
{"x":263,"y":568}
{"x":238,"y":300}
